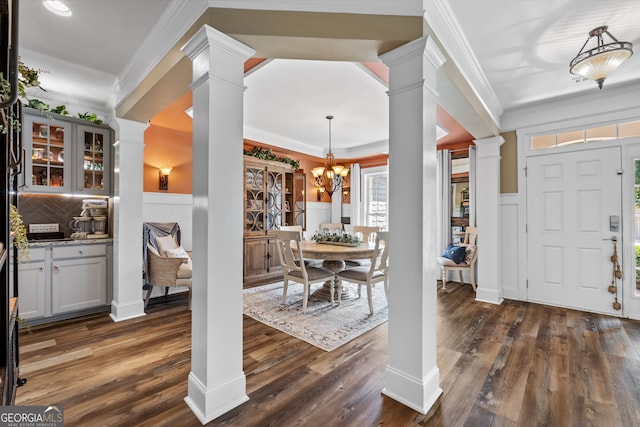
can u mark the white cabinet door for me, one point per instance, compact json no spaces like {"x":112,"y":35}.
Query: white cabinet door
{"x":32,"y":280}
{"x":78,"y":284}
{"x":93,"y":151}
{"x":48,"y":152}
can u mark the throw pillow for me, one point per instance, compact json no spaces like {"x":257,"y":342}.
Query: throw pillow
{"x":470,"y":253}
{"x":455,"y":253}
{"x":166,"y":242}
{"x":178,"y":252}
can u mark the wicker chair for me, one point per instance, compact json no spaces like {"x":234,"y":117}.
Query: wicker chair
{"x":167,"y":272}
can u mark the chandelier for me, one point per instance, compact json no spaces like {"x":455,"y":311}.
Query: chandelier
{"x":328,"y":178}
{"x":597,"y":63}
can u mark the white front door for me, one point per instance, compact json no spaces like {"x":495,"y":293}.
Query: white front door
{"x":571,"y":198}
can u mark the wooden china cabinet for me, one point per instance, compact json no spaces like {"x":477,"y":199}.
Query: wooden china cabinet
{"x":274,"y":195}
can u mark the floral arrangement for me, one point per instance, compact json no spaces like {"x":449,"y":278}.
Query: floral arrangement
{"x":345,"y":239}
{"x":19,"y":234}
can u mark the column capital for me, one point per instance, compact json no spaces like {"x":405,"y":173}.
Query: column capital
{"x":489,"y":147}
{"x":422,"y":46}
{"x":129,"y":130}
{"x":210,"y":37}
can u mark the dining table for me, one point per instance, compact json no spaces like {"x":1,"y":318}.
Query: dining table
{"x":333,"y":256}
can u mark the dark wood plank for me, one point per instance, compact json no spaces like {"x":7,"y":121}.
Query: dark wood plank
{"x":508,"y":365}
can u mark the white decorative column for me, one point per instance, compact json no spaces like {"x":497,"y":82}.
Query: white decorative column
{"x":217,"y":382}
{"x":412,"y":375}
{"x":127,"y":222}
{"x":488,"y":219}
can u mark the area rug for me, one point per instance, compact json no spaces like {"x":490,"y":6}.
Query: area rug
{"x":324,"y":325}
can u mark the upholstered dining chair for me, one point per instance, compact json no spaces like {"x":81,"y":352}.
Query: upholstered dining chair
{"x":331,"y":227}
{"x":377,"y":271}
{"x":469,"y":261}
{"x":368,"y":235}
{"x":298,"y":271}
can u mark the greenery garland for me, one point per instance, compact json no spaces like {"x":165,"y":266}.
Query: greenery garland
{"x":19,"y":234}
{"x":28,"y":77}
{"x":266,"y":154}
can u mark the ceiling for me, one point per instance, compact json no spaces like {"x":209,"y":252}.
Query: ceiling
{"x":522,"y":50}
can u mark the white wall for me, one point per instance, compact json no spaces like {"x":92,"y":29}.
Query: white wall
{"x":167,"y":207}
{"x":317,"y":213}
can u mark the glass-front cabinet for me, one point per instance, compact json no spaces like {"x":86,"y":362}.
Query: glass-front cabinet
{"x":65,"y":155}
{"x":273,"y":197}
{"x":94,"y":153}
{"x":46,"y":142}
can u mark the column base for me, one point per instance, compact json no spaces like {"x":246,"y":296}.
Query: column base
{"x":207,"y":405}
{"x":492,"y":296}
{"x":130,"y":310}
{"x":419,"y":395}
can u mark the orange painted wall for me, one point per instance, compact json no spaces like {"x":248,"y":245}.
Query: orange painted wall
{"x":166,"y":147}
{"x":163,"y":148}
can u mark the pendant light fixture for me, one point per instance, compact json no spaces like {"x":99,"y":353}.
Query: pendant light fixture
{"x":329,"y":178}
{"x":599,"y":62}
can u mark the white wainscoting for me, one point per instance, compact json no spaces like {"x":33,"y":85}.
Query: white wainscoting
{"x":317,"y":213}
{"x":509,"y":256}
{"x":161,"y":207}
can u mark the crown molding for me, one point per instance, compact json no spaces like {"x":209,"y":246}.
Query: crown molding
{"x":259,"y":135}
{"x":373,"y":7}
{"x":613,"y":102}
{"x":178,"y":17}
{"x":450,"y":34}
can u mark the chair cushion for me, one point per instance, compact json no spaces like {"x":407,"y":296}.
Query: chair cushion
{"x":183,"y":282}
{"x":185,"y":270}
{"x":166,"y":242}
{"x":446,"y":262}
{"x":455,"y":253}
{"x":359,"y":273}
{"x":313,"y":273}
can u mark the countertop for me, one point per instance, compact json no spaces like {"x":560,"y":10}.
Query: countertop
{"x":44,"y":243}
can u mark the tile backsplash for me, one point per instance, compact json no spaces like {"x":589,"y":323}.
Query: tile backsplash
{"x":48,"y":209}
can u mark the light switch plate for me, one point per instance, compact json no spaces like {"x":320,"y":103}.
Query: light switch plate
{"x":43,"y":228}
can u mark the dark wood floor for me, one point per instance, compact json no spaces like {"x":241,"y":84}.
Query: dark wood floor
{"x":517,"y":364}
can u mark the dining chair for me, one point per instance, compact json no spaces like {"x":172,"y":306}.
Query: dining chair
{"x":377,"y":271}
{"x":299,"y":272}
{"x":368,"y":235}
{"x":331,"y":227}
{"x":469,"y":261}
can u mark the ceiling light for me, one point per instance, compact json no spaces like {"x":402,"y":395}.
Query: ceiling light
{"x":57,"y":7}
{"x":597,"y":63}
{"x":329,"y":178}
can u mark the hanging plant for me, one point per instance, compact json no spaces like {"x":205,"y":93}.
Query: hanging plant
{"x":19,"y":234}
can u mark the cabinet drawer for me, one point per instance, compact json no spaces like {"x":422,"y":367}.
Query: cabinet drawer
{"x":80,"y":251}
{"x":37,"y":254}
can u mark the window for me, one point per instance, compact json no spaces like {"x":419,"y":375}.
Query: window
{"x":581,"y":136}
{"x":376,"y":185}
